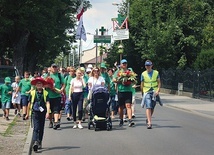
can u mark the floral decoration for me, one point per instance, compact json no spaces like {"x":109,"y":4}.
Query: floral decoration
{"x":127,"y":77}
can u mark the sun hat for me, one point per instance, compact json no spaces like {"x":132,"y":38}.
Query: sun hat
{"x":123,"y":61}
{"x":148,"y":63}
{"x":103,"y":65}
{"x":7,"y":80}
{"x":38,"y":79}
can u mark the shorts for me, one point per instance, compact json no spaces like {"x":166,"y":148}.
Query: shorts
{"x":5,"y":105}
{"x":124,"y":97}
{"x":150,"y":104}
{"x":16,"y":100}
{"x":55,"y":105}
{"x":24,"y":100}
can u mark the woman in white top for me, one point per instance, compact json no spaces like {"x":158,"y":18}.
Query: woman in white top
{"x":95,"y":79}
{"x":76,"y":95}
{"x":16,"y":98}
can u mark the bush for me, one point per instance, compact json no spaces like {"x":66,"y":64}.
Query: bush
{"x":205,"y":59}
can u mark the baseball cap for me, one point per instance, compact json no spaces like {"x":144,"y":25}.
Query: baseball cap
{"x":90,"y":66}
{"x":7,"y":80}
{"x":123,"y":61}
{"x":103,"y":65}
{"x":88,"y":70}
{"x":148,"y":63}
{"x":54,"y":65}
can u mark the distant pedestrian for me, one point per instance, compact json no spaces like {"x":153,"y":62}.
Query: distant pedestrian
{"x":16,"y":100}
{"x":40,"y":106}
{"x":150,"y":86}
{"x":6,"y":95}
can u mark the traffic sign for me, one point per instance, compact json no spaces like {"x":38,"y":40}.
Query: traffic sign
{"x":121,"y":34}
{"x":102,"y":39}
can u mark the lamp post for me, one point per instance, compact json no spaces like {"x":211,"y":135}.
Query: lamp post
{"x":70,"y":45}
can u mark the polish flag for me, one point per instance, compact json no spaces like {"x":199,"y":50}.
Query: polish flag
{"x":80,"y":11}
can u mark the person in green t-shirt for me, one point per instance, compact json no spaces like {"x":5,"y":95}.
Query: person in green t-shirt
{"x":55,"y":96}
{"x":124,"y":94}
{"x":25,"y":88}
{"x":105,"y":75}
{"x":6,"y":94}
{"x":68,"y":103}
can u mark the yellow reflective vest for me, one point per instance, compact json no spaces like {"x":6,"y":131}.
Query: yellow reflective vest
{"x":150,"y":82}
{"x":33,"y":94}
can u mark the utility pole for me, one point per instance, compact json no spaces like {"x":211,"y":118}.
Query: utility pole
{"x":96,"y":46}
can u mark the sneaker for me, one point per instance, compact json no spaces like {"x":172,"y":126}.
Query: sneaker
{"x":24,"y":116}
{"x":124,"y":120}
{"x":35,"y":146}
{"x":80,"y":126}
{"x":56,"y":125}
{"x":15,"y":112}
{"x":7,"y":118}
{"x":68,"y":119}
{"x":19,"y":114}
{"x":149,"y":126}
{"x":131,"y":123}
{"x":121,"y":123}
{"x":133,"y":116}
{"x":75,"y":126}
{"x":51,"y":125}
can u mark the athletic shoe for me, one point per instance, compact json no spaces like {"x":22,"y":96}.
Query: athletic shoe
{"x":131,"y":123}
{"x":133,"y":116}
{"x":7,"y":118}
{"x":121,"y":123}
{"x":75,"y":126}
{"x":80,"y":126}
{"x":68,"y":119}
{"x":124,"y":120}
{"x":40,"y":145}
{"x":149,"y":126}
{"x":35,"y":146}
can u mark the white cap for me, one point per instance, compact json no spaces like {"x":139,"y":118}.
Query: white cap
{"x":88,"y":70}
{"x":90,"y":66}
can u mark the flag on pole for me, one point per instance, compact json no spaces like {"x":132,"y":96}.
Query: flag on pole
{"x":81,"y":33}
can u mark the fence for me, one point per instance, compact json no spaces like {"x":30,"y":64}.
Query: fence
{"x":199,"y":83}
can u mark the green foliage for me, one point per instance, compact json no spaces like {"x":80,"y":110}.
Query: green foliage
{"x":205,"y":60}
{"x":35,"y":30}
{"x":171,"y":33}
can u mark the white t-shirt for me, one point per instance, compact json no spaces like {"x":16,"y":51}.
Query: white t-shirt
{"x":96,"y":82}
{"x":77,"y":85}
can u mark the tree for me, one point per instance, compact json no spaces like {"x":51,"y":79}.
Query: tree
{"x":34,"y":31}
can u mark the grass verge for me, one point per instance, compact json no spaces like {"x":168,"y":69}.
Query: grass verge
{"x":8,"y":132}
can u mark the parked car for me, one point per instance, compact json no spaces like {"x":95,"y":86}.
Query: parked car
{"x":7,"y":71}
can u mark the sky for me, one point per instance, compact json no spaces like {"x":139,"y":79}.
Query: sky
{"x":99,"y":15}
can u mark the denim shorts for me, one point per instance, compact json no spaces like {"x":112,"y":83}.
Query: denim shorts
{"x":150,"y":104}
{"x":5,"y":105}
{"x":24,"y":100}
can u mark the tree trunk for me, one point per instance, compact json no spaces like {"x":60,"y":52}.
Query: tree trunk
{"x":20,"y":50}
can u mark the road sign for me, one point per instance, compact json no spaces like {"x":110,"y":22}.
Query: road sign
{"x":102,"y":39}
{"x":121,"y":34}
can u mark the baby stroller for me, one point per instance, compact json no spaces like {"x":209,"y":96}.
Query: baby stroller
{"x":99,"y":112}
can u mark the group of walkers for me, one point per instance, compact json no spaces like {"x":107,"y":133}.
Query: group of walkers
{"x":70,"y":90}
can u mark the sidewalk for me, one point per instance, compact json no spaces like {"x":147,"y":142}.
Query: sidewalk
{"x":196,"y":106}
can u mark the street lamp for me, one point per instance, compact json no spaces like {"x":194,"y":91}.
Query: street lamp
{"x":70,"y":45}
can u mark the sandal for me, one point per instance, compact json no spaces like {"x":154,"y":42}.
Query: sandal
{"x":149,"y":126}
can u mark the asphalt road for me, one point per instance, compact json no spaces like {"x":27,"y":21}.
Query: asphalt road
{"x":175,"y":132}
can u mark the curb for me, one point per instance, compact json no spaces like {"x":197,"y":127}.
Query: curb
{"x":28,"y":143}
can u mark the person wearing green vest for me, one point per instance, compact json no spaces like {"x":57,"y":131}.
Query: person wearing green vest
{"x":150,"y":86}
{"x":6,"y":94}
{"x":68,"y":103}
{"x":39,"y":106}
{"x":55,"y":96}
{"x":25,"y":88}
{"x":124,"y":94}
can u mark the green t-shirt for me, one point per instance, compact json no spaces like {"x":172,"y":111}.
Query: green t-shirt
{"x":120,"y":86}
{"x":112,"y":87}
{"x":25,"y":86}
{"x":67,"y":83}
{"x":4,"y":89}
{"x":85,"y":78}
{"x":106,"y":78}
{"x":57,"y":84}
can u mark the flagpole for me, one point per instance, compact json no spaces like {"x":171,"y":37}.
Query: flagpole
{"x":80,"y":45}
